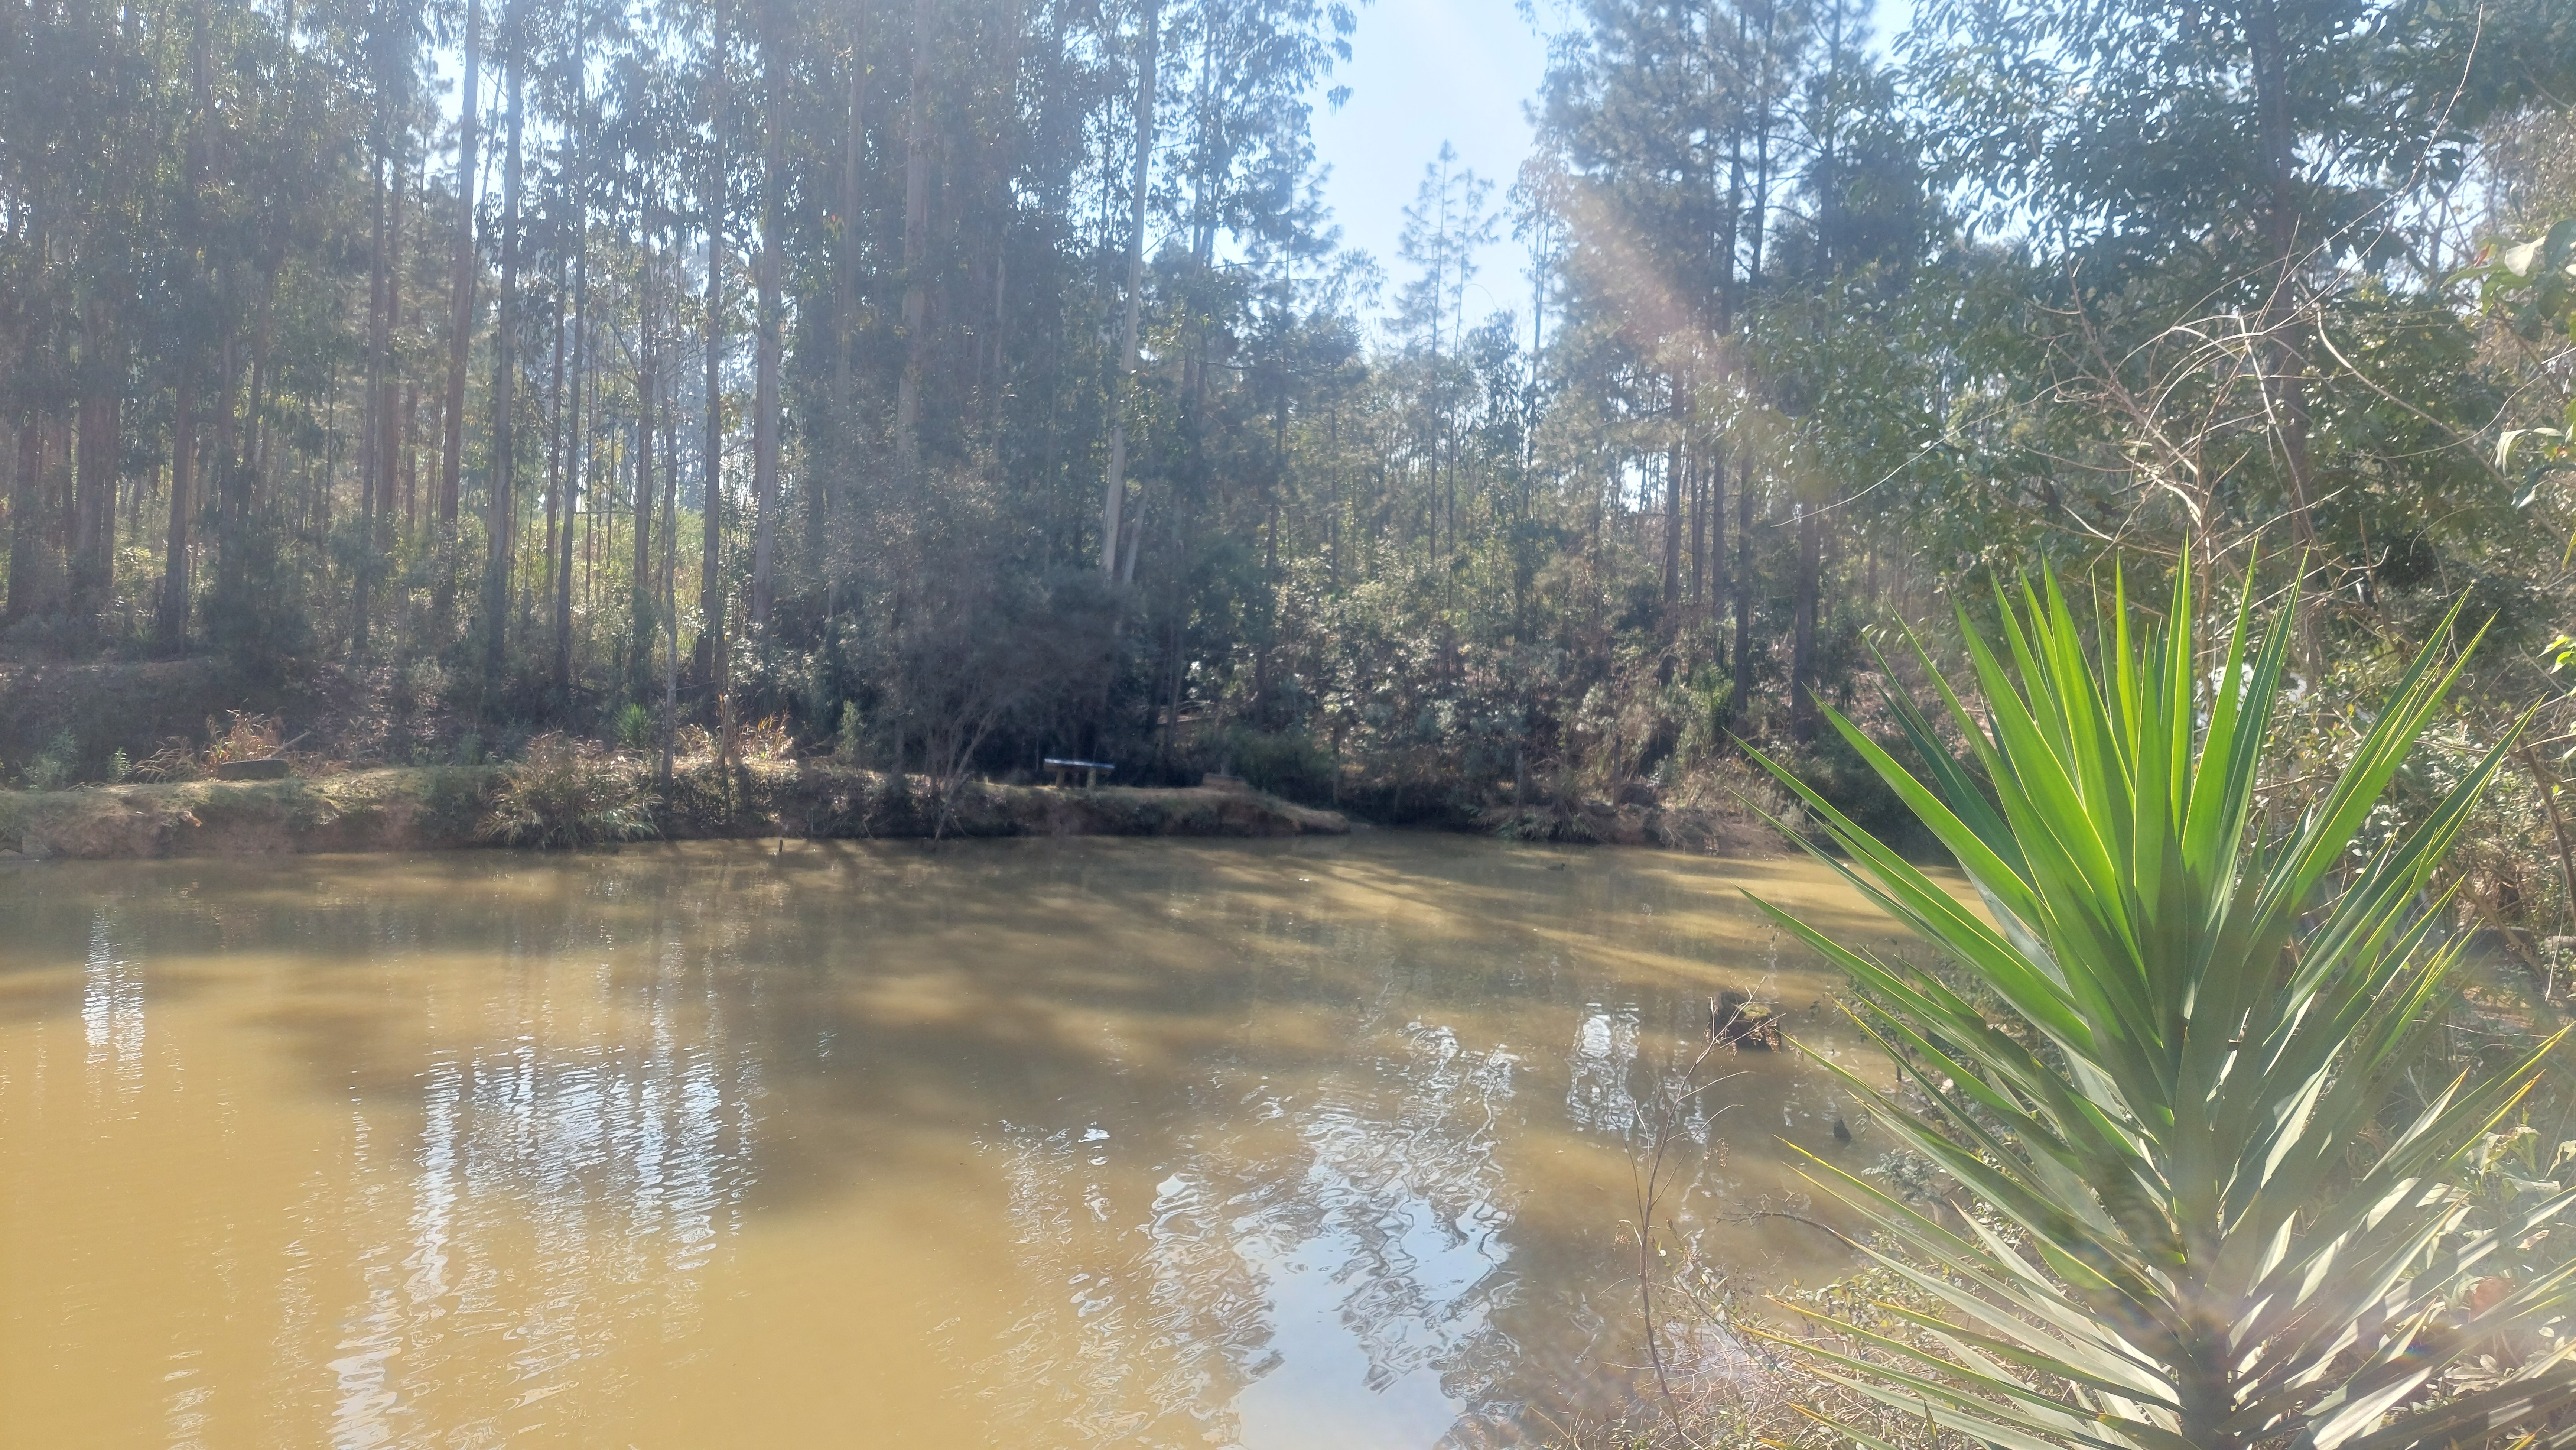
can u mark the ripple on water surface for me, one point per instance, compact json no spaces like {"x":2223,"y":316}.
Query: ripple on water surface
{"x":1047,"y":1143}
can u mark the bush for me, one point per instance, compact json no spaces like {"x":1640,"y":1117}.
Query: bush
{"x":568,"y":793}
{"x":633,"y":726}
{"x":1288,"y":763}
{"x":2212,"y":1203}
{"x":55,"y":766}
{"x":241,"y":737}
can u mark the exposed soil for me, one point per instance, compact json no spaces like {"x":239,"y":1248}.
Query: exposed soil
{"x":437,"y":807}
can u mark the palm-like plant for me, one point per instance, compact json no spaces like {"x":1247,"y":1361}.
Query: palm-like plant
{"x":2211,"y":1217}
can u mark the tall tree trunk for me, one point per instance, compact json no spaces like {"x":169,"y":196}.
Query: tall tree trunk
{"x":556,"y":518}
{"x":410,"y":454}
{"x":671,"y":584}
{"x":577,"y":468}
{"x":391,"y":425}
{"x":171,"y":627}
{"x":1742,"y":699}
{"x":1802,"y":637}
{"x":227,"y":480}
{"x":764,"y":404}
{"x":501,"y":503}
{"x":916,"y":248}
{"x":1713,"y":467}
{"x":845,"y":424}
{"x":93,"y":552}
{"x":372,"y":457}
{"x":460,"y":311}
{"x":711,"y":456}
{"x":1695,"y":472}
{"x":1672,"y":524}
{"x":639,"y":656}
{"x":1114,"y":495}
{"x":30,"y":547}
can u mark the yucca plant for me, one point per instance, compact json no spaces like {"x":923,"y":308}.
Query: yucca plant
{"x":2208,"y":1209}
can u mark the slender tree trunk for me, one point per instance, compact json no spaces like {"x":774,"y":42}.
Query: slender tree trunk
{"x":671,"y":589}
{"x":845,"y":423}
{"x":29,"y":545}
{"x":577,"y":469}
{"x":1743,"y":590}
{"x":501,"y":499}
{"x":372,"y":457}
{"x":410,"y":456}
{"x":711,"y":622}
{"x":1802,"y":639}
{"x":390,"y":425}
{"x":1695,"y":474}
{"x":1114,"y":496}
{"x":1673,"y":525}
{"x":916,"y":248}
{"x":1713,"y":467}
{"x":227,"y":467}
{"x":171,"y":628}
{"x":639,"y":657}
{"x":460,"y":311}
{"x":93,"y":553}
{"x":764,"y":406}
{"x":556,"y":518}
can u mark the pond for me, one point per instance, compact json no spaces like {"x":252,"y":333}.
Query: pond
{"x":1329,"y":1144}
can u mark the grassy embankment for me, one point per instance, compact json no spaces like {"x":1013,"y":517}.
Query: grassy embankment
{"x":435,"y":807}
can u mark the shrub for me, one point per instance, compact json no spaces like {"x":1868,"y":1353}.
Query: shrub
{"x":850,"y":745}
{"x":56,"y":766}
{"x":568,"y":793}
{"x":633,"y":726}
{"x":241,"y":737}
{"x":765,"y":741}
{"x":1286,"y":763}
{"x":175,"y":760}
{"x":2211,"y":1205}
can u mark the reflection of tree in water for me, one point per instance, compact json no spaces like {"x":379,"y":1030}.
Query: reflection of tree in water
{"x":1353,"y":1231}
{"x":555,"y":1199}
{"x":1598,"y":1095}
{"x":112,"y":1008}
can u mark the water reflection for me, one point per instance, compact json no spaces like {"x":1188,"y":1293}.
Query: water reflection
{"x":112,"y":1011}
{"x":1077,"y":1144}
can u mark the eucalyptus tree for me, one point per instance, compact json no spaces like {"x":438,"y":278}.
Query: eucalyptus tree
{"x":460,"y":307}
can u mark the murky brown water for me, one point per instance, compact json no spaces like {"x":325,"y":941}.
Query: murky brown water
{"x":1062,"y":1143}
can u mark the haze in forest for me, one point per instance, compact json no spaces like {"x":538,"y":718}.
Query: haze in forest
{"x":955,"y":385}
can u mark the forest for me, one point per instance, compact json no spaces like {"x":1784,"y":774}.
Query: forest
{"x":2098,"y":474}
{"x":956,"y":383}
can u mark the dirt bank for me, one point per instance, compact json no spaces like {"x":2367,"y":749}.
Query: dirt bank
{"x":437,"y":807}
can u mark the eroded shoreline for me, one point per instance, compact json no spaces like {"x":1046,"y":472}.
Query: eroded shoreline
{"x":444,"y":807}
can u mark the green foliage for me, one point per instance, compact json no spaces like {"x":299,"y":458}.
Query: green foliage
{"x":2531,"y":288}
{"x":55,"y":767}
{"x":566,"y":793}
{"x":850,"y":741}
{"x":1289,"y":763}
{"x":2211,"y":1207}
{"x":633,"y":726}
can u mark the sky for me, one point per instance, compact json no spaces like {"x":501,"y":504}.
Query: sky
{"x":1423,"y":72}
{"x":1462,"y":71}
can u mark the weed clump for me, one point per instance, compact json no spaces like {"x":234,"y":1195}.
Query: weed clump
{"x":565,"y":793}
